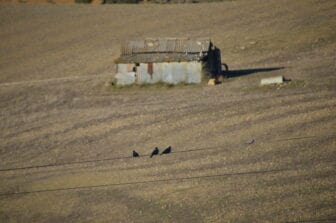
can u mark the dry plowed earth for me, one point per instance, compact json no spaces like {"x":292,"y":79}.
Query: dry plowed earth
{"x":241,"y":152}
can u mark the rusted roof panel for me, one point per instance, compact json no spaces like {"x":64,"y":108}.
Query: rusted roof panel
{"x":158,"y":57}
{"x":166,"y":45}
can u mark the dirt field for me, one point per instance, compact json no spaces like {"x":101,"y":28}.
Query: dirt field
{"x":56,"y":108}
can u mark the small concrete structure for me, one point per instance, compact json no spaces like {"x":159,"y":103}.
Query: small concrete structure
{"x":167,"y":60}
{"x":272,"y":80}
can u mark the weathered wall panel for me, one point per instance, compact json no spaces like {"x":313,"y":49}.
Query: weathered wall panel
{"x":167,"y":76}
{"x":171,"y":73}
{"x":194,"y":73}
{"x":142,"y":75}
{"x":122,"y":68}
{"x":157,"y":72}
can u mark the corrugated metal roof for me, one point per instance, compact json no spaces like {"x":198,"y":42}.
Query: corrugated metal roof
{"x":158,"y":57}
{"x":166,"y":45}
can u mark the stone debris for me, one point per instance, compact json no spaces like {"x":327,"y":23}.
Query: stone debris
{"x":212,"y":82}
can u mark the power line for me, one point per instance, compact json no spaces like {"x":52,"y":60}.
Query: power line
{"x":314,"y":220}
{"x":148,"y":181}
{"x":294,"y":138}
{"x":65,"y":164}
{"x":96,"y":160}
{"x":130,"y":157}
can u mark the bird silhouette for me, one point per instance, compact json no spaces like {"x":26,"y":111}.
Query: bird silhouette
{"x":167,"y":150}
{"x":135,"y":154}
{"x":155,"y":152}
{"x":251,"y":142}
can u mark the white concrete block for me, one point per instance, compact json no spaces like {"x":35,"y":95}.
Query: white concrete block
{"x":272,"y":80}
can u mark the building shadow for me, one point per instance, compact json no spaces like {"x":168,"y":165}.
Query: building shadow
{"x":238,"y":73}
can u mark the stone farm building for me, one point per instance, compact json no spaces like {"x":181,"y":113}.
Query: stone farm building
{"x":167,"y":60}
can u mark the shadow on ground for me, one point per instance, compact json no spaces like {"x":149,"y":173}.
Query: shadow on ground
{"x":238,"y":73}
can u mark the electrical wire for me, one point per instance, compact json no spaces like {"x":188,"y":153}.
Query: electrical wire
{"x":148,"y":181}
{"x":130,"y":157}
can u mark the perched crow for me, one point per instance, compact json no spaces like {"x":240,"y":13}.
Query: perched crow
{"x":135,"y":154}
{"x":155,"y":152}
{"x":167,"y":150}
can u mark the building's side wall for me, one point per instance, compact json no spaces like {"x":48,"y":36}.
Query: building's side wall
{"x":142,"y":76}
{"x":179,"y":72}
{"x":194,"y":73}
{"x":122,"y":68}
{"x":214,"y":62}
{"x":158,"y":72}
{"x":124,"y":76}
{"x":171,"y":73}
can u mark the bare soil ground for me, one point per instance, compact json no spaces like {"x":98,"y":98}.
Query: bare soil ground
{"x":55,"y":107}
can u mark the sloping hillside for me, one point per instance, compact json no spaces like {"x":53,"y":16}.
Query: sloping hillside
{"x":241,"y":152}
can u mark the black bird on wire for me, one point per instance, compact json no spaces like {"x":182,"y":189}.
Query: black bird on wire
{"x":167,"y":150}
{"x":155,"y":152}
{"x":135,"y":154}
